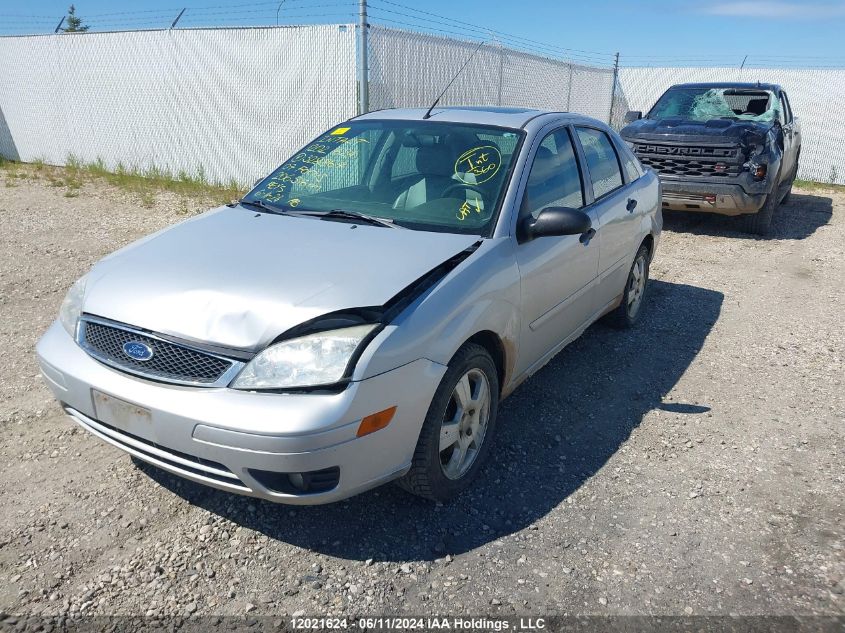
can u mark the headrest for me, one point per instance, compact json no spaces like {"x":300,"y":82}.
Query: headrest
{"x":435,"y":160}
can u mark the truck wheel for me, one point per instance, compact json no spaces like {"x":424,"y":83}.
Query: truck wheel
{"x":759,"y":223}
{"x":458,"y":429}
{"x":626,"y":315}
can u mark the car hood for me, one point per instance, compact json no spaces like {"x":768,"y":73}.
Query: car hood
{"x":713,"y":131}
{"x":236,"y":278}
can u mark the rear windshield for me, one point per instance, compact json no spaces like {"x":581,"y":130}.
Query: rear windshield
{"x":420,"y":174}
{"x":704,"y":104}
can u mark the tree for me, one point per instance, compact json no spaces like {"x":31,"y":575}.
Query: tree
{"x":74,"y":23}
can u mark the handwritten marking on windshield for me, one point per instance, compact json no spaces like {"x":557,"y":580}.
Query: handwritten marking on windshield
{"x":466,"y":210}
{"x":482,"y":162}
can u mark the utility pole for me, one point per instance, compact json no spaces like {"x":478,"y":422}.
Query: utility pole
{"x":62,"y":21}
{"x":613,"y":88}
{"x":363,"y":68}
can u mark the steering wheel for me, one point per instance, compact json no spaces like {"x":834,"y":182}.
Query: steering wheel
{"x":462,"y":186}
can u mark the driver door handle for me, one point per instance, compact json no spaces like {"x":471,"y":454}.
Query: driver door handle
{"x":632,"y":204}
{"x":587,"y":236}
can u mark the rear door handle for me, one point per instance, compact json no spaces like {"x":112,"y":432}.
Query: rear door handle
{"x":587,"y":236}
{"x":632,"y":204}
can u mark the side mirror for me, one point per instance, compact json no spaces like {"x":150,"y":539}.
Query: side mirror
{"x":633,"y":115}
{"x":554,"y":221}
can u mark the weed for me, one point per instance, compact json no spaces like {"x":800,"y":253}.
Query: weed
{"x":73,"y":163}
{"x":812,"y":185}
{"x":148,"y":199}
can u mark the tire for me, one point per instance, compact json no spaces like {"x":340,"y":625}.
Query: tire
{"x":760,"y":222}
{"x":429,"y":476}
{"x":628,"y":312}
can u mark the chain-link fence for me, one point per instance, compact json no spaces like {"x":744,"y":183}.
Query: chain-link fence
{"x":409,"y":69}
{"x":223,"y":104}
{"x":228,"y":104}
{"x":817,"y":97}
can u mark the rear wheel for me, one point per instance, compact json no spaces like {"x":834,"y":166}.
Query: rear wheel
{"x":457,"y":431}
{"x":628,"y":312}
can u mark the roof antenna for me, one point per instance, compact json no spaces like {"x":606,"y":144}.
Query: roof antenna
{"x":427,"y":115}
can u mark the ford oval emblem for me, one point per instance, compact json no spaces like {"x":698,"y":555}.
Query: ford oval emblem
{"x":136,"y":350}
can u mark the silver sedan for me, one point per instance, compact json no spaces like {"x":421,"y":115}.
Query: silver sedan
{"x":358,"y":316}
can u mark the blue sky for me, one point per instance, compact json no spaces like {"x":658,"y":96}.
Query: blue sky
{"x":644,"y":31}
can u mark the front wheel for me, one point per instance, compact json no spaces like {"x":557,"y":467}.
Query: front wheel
{"x":457,"y":431}
{"x":760,"y":222}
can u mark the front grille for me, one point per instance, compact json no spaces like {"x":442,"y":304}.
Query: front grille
{"x":169,"y":362}
{"x":691,"y":160}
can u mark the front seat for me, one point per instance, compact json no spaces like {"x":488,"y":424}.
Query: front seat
{"x":435,"y":165}
{"x":756,"y":106}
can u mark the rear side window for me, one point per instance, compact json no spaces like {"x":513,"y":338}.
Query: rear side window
{"x":632,"y":166}
{"x":602,"y":161}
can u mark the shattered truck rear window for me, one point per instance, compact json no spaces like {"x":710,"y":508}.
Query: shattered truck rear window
{"x":705,"y":104}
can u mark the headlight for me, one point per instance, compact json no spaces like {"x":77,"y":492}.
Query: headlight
{"x":72,"y":306}
{"x":307,"y":361}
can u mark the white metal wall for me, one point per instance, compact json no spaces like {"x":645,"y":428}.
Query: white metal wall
{"x":229,"y":103}
{"x":409,"y":69}
{"x":817,"y":97}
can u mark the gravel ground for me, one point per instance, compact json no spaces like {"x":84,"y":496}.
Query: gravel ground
{"x":691,"y":466}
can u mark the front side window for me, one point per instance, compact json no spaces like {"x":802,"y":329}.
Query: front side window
{"x":422,"y":175}
{"x":602,"y":161}
{"x":554,"y":180}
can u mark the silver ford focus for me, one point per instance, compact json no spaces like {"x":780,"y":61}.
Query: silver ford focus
{"x":357,"y":317}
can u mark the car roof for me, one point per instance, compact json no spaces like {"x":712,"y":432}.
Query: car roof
{"x":485,"y":115}
{"x":742,"y":85}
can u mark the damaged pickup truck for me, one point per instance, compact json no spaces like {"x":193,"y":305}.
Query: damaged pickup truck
{"x":728,"y":148}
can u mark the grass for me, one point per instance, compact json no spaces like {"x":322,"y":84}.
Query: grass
{"x":146,"y":184}
{"x":812,"y":185}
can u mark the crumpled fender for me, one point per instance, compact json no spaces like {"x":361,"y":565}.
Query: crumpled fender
{"x":480,"y":294}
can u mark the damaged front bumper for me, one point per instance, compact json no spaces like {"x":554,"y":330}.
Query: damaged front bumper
{"x":725,"y":198}
{"x":298,"y":448}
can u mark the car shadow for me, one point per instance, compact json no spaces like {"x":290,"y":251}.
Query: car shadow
{"x":556,"y":431}
{"x":794,"y":220}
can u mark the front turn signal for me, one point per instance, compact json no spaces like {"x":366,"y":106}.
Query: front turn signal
{"x":376,"y":421}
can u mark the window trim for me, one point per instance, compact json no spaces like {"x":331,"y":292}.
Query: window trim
{"x":624,"y":182}
{"x":788,"y":107}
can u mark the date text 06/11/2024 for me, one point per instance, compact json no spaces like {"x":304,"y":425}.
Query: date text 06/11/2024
{"x":418,"y":624}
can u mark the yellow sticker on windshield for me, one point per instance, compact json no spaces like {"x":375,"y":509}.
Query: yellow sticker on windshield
{"x":341,"y":130}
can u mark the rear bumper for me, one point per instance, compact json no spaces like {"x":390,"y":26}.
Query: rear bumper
{"x":722,"y":198}
{"x":222,"y":437}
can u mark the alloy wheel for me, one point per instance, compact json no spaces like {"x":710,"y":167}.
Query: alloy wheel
{"x":636,"y":285}
{"x":464,"y":424}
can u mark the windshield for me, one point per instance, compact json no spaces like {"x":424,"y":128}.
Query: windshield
{"x":422,"y":175}
{"x":704,"y":104}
